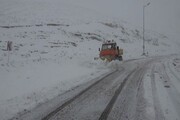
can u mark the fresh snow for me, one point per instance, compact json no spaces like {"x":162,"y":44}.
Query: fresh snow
{"x":54,"y":45}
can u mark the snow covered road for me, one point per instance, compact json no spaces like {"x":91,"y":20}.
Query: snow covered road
{"x":138,"y":89}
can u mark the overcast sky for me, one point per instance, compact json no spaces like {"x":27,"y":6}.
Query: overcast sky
{"x":161,"y":15}
{"x":164,"y":15}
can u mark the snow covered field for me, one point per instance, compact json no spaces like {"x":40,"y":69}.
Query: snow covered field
{"x":54,"y":45}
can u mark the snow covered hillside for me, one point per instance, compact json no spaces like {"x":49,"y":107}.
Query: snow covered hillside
{"x":54,"y":45}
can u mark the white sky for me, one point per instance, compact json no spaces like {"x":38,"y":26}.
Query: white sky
{"x":164,"y":15}
{"x":161,"y":15}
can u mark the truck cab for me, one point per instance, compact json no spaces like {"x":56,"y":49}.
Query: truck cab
{"x":110,"y":51}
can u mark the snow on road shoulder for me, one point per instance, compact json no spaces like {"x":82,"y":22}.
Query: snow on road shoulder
{"x":168,"y":108}
{"x":25,"y":87}
{"x":173,"y":68}
{"x":162,"y":90}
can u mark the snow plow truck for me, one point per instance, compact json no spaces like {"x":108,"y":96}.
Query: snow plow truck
{"x":110,"y":51}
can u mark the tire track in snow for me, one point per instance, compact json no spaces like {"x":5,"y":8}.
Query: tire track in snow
{"x":51,"y":114}
{"x":158,"y":111}
{"x":134,"y":104}
{"x":141,"y":104}
{"x":131,"y":104}
{"x":135,"y":80}
{"x":109,"y":107}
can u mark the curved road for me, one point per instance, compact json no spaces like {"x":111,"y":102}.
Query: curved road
{"x":139,"y":89}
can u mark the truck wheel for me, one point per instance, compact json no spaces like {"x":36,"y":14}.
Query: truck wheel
{"x":120,"y":58}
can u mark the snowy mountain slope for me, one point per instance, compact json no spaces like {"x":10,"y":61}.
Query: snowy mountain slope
{"x":52,"y":39}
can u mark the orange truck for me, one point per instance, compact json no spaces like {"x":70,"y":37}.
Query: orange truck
{"x":110,"y":51}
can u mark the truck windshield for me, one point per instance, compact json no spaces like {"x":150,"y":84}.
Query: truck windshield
{"x":108,"y":46}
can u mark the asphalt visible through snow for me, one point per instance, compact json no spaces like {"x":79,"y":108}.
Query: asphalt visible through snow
{"x":131,"y":92}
